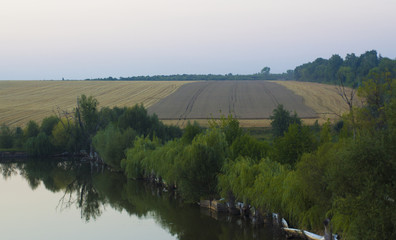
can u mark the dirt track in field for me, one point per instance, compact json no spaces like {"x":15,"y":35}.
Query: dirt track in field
{"x":243,"y":99}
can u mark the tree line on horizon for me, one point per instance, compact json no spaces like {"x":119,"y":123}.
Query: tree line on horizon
{"x":264,"y":74}
{"x":320,"y":70}
{"x":354,"y":69}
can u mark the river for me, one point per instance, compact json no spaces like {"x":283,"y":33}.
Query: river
{"x":71,"y":200}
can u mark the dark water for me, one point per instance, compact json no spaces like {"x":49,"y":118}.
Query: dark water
{"x":69,"y":200}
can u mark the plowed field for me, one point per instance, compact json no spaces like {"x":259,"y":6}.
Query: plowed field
{"x":243,"y":99}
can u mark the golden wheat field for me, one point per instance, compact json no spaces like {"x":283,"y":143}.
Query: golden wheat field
{"x":324,"y":99}
{"x":21,"y":101}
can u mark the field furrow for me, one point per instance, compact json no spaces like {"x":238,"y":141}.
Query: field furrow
{"x":243,"y":99}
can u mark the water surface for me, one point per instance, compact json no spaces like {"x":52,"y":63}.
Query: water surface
{"x":70,"y":200}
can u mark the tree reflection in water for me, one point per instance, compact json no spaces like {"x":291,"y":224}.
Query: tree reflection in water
{"x":92,"y":190}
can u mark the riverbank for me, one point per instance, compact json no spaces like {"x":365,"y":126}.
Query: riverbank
{"x":8,"y":155}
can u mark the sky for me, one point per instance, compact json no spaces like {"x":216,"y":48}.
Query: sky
{"x":79,"y":39}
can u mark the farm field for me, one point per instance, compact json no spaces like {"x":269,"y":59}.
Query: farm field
{"x":243,"y":99}
{"x":250,"y":101}
{"x":322,"y":98}
{"x":21,"y":101}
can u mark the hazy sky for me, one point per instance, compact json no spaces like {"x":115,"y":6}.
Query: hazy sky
{"x":78,"y":39}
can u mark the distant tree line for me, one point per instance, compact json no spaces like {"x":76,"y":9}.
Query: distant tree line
{"x":264,"y":74}
{"x":353,"y":68}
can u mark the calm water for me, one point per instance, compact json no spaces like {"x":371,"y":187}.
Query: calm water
{"x":68,"y":200}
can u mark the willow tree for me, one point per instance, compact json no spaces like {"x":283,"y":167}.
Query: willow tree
{"x":88,"y":118}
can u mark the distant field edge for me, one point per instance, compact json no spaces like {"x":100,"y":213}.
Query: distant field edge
{"x":244,"y":123}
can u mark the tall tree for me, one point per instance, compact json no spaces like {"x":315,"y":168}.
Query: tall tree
{"x":345,"y":76}
{"x":87,"y":117}
{"x":281,"y":119}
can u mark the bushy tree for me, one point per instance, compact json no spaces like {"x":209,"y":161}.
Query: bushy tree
{"x":238,"y":178}
{"x":144,"y":124}
{"x":39,"y":146}
{"x":201,"y":163}
{"x":66,"y":136}
{"x":111,"y":144}
{"x":281,"y":120}
{"x":48,"y":124}
{"x":6,"y":137}
{"x":137,"y":157}
{"x":18,"y":137}
{"x":249,"y":146}
{"x":296,"y":141}
{"x":32,"y":129}
{"x":229,"y":126}
{"x":190,"y":131}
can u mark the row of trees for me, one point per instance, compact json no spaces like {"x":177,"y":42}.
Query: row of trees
{"x":87,"y":128}
{"x":352,"y":70}
{"x":264,"y":74}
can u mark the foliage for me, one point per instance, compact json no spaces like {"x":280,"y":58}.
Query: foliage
{"x":229,"y":126}
{"x":6,"y":137}
{"x":264,"y":74}
{"x":257,"y":183}
{"x":281,"y":120}
{"x":18,"y":137}
{"x":203,"y":161}
{"x":87,"y":116}
{"x":306,"y":198}
{"x":325,"y":71}
{"x":238,"y":177}
{"x":190,"y":131}
{"x":136,"y":157}
{"x":296,"y":141}
{"x":249,"y":146}
{"x":193,"y":167}
{"x":87,"y":113}
{"x":111,"y":144}
{"x":48,"y":124}
{"x":32,"y":129}
{"x":144,"y":124}
{"x":65,"y":134}
{"x":39,"y":146}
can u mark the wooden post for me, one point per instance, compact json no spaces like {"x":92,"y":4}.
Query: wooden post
{"x":328,"y":231}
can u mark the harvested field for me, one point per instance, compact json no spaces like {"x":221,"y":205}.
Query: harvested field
{"x":322,"y":98}
{"x":21,"y":101}
{"x":243,"y":99}
{"x":245,"y":123}
{"x":250,"y":101}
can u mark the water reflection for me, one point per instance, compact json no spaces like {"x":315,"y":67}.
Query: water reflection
{"x":93,"y":190}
